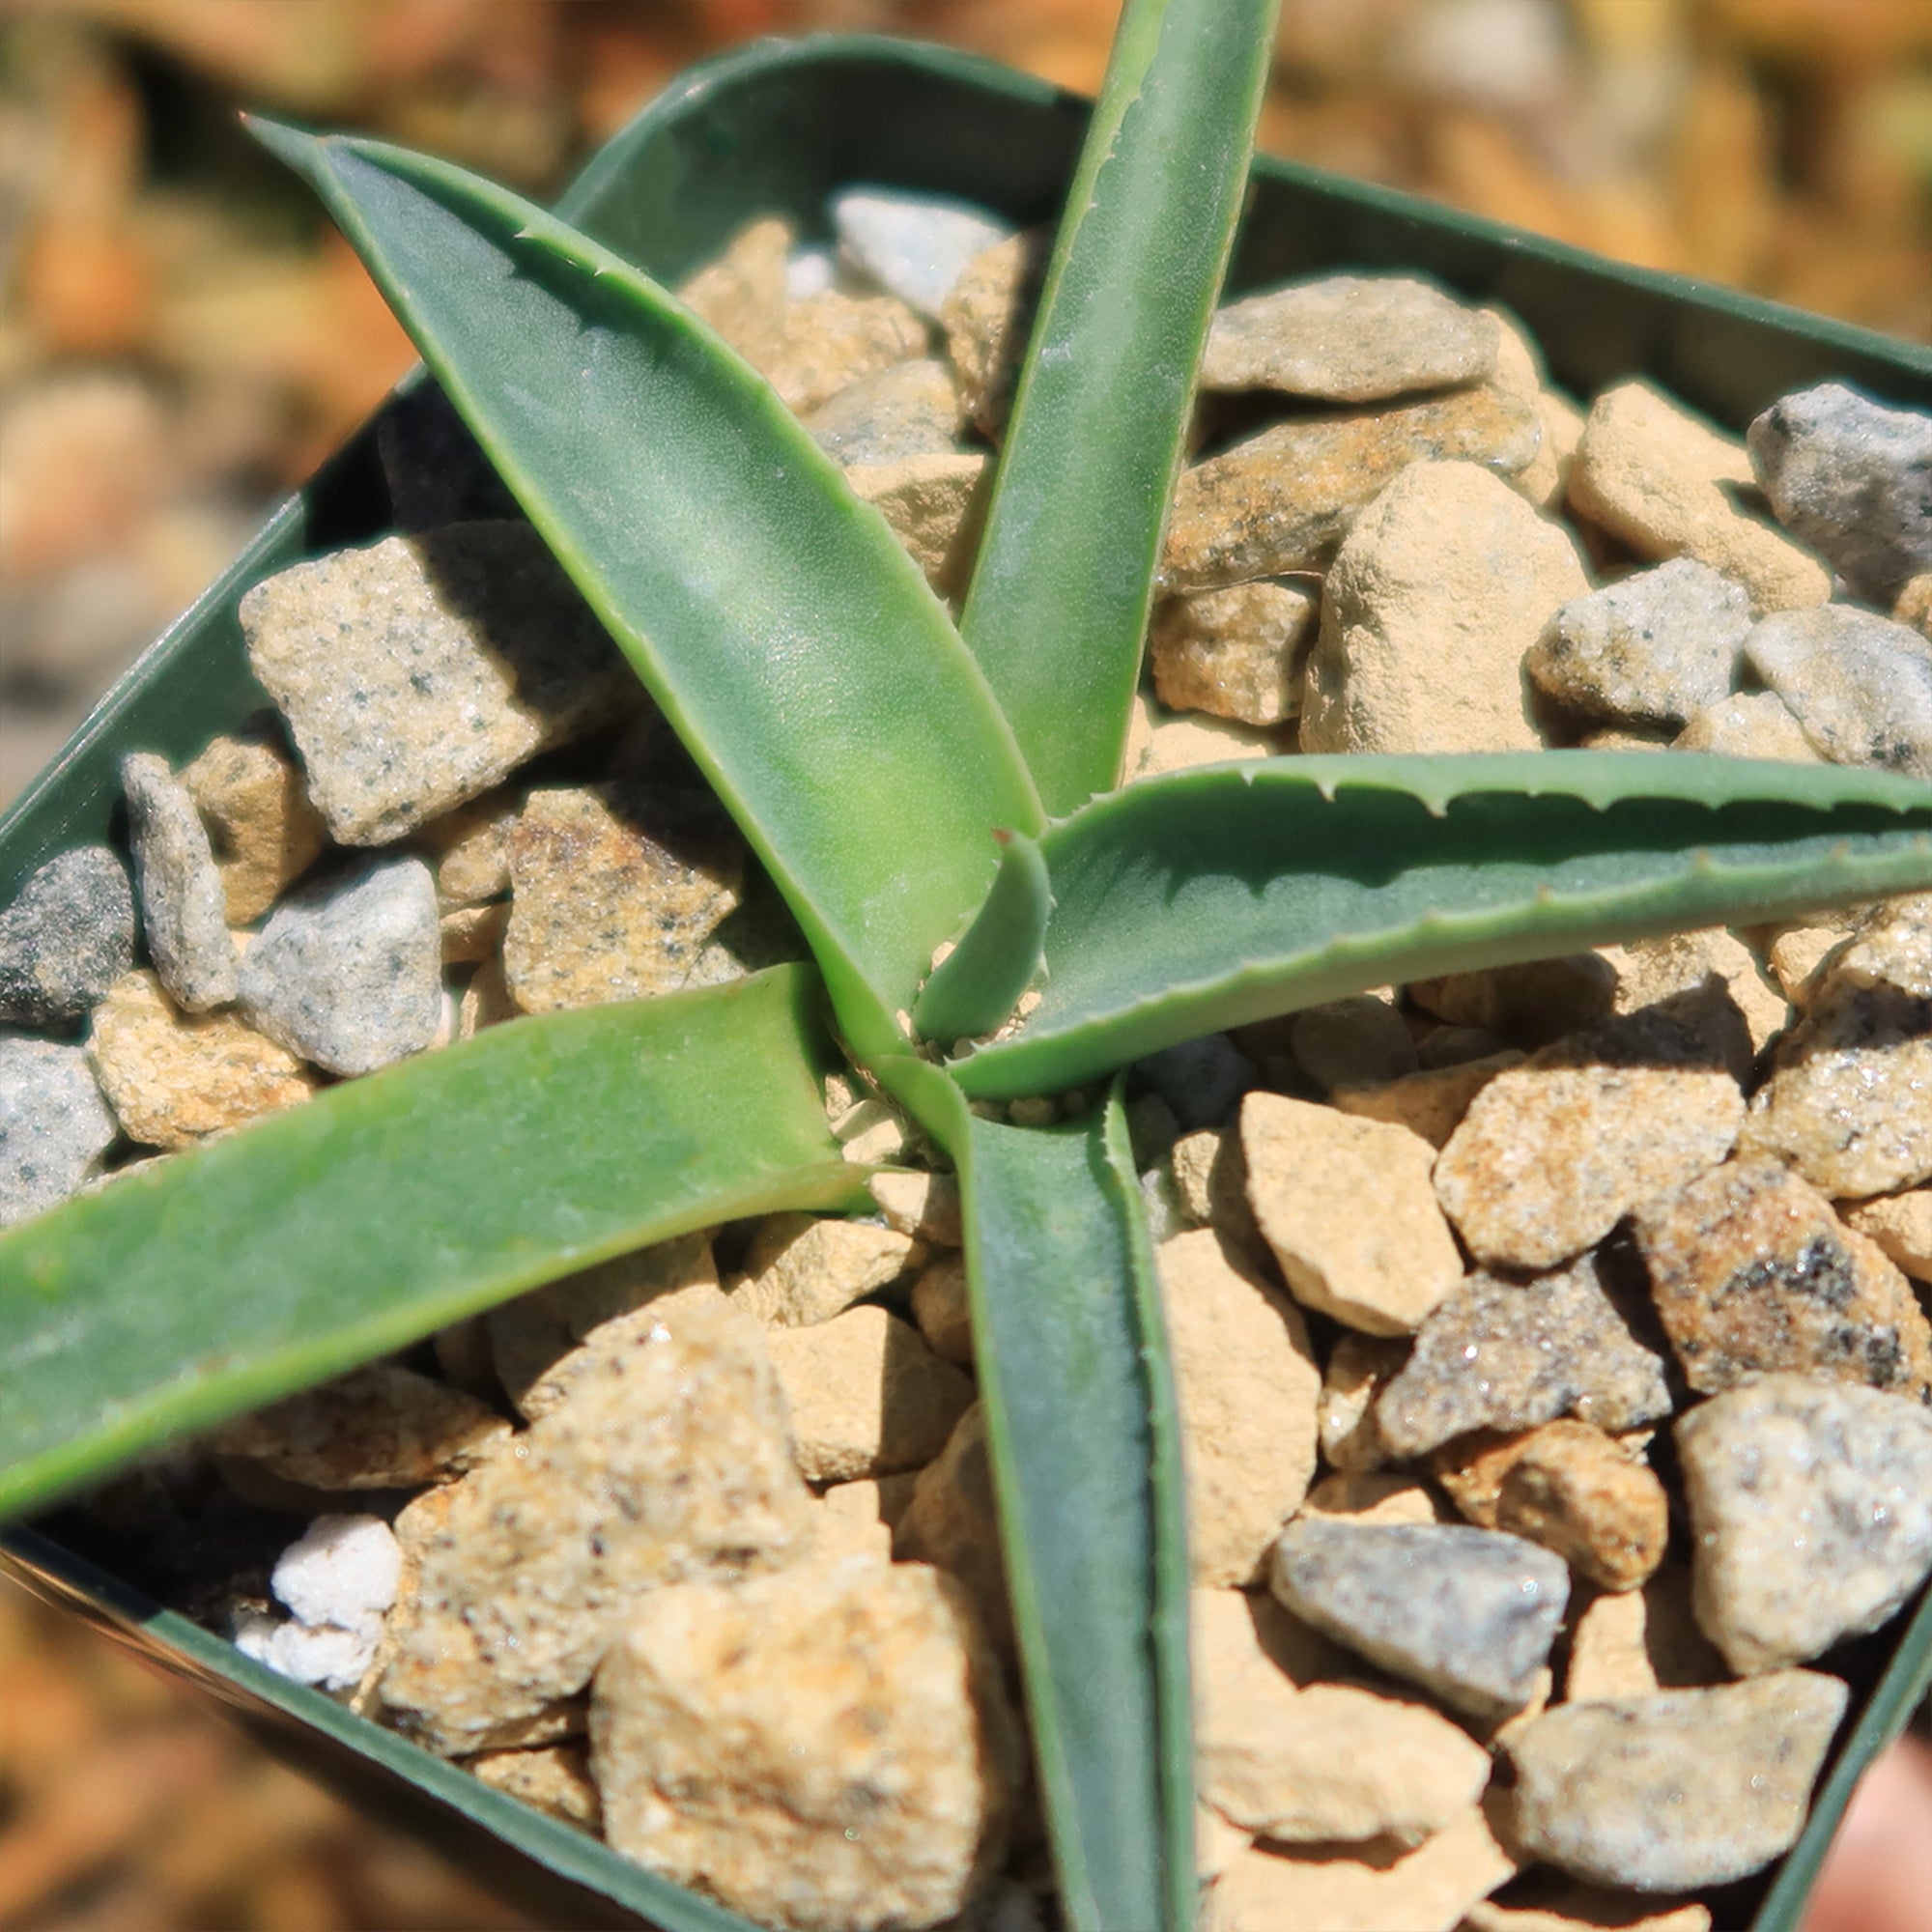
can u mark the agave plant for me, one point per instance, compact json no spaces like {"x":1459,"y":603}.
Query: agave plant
{"x":920,"y":791}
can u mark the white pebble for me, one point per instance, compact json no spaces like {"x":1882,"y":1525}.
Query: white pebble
{"x":343,"y":1572}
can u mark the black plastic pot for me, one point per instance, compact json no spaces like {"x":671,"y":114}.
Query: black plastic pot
{"x":778,"y":127}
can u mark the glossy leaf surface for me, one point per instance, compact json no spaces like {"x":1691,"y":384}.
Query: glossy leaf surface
{"x":1211,"y":898}
{"x":389,"y":1206}
{"x":790,"y":641}
{"x":1058,"y":601}
{"x":976,"y":986}
{"x":1083,"y":1439}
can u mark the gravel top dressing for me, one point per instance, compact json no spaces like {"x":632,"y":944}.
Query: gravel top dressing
{"x":1550,"y":1341}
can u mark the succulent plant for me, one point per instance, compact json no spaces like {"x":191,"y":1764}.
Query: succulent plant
{"x":921,"y":791}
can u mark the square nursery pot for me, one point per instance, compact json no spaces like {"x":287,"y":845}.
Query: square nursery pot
{"x":777,"y":128}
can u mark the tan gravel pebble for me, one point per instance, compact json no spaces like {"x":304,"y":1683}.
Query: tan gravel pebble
{"x":802,"y":1269}
{"x":827,"y":342}
{"x":1360,"y":1041}
{"x":1686,"y":1788}
{"x":487,"y":1000}
{"x":1631,"y":1643}
{"x":1571,"y":1489}
{"x":943,"y":1309}
{"x":1365,"y":1496}
{"x":986,"y":319}
{"x":1755,"y":725}
{"x":419,"y":671}
{"x":1247,"y":1384}
{"x":1554,"y":1152}
{"x":1914,"y":604}
{"x":1158,"y":742}
{"x":1752,"y":1271}
{"x":1350,"y":339}
{"x":1507,"y":1354}
{"x":912,"y":409}
{"x":605,"y":908}
{"x":1309,"y":1170}
{"x":1531,"y":1005}
{"x":172,"y":1077}
{"x":1444,"y":581}
{"x":1651,"y":970}
{"x":742,"y":293}
{"x":1235,"y":653}
{"x":1428,"y":1889}
{"x":1849,"y":1101}
{"x":1359,"y":1368}
{"x":951,"y":1520}
{"x":1654,"y":477}
{"x":934,"y":504}
{"x":380,"y":1427}
{"x":1431,"y":1104}
{"x":263,"y":829}
{"x":1210,"y":1177}
{"x":1795,"y":954}
{"x":917,"y":1202}
{"x":827,"y":1748}
{"x":849,"y":1521}
{"x":865,"y":1394}
{"x":1811,"y":1512}
{"x":1900,"y":1225}
{"x":669,"y":1459}
{"x":1283,"y":500}
{"x":468,"y":847}
{"x":472,"y":934}
{"x":1559,"y":1905}
{"x":554,"y":1780}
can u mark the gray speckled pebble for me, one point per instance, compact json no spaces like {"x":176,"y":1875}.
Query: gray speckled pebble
{"x":1650,"y":649}
{"x":1202,"y":1080}
{"x":184,"y":903}
{"x":66,"y":939}
{"x":1854,"y":480}
{"x":916,"y":246}
{"x":1811,"y":1506}
{"x":1469,"y":1614}
{"x":1859,"y":684}
{"x":54,"y":1125}
{"x":913,"y":409}
{"x":1687,"y":1788}
{"x":348,"y":974}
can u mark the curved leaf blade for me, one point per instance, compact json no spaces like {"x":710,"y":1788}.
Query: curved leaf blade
{"x":976,"y":985}
{"x":1215,"y":896}
{"x":387,"y":1206}
{"x":1084,"y":1436}
{"x":1058,"y":606}
{"x":792,"y":643}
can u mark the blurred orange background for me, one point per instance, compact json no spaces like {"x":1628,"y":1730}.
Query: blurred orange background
{"x":182,"y":339}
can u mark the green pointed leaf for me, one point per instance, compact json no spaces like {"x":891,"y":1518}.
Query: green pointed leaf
{"x":1211,"y":898}
{"x":1083,"y":1435}
{"x":387,"y":1206}
{"x":1058,"y":601}
{"x":793,"y":644}
{"x":979,"y":982}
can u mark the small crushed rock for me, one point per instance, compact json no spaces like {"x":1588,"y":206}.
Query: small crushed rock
{"x":1505,"y":1354}
{"x":1201,"y":1079}
{"x":263,"y":829}
{"x":1859,"y":686}
{"x":54,"y":1125}
{"x":1236,"y":653}
{"x":941,"y":1306}
{"x":1686,"y":1788}
{"x":1853,"y":479}
{"x":1571,"y":1489}
{"x":1531,"y":1005}
{"x":1652,"y":970}
{"x":614,"y":899}
{"x":1432,"y":1102}
{"x":915,"y":246}
{"x":1350,"y":339}
{"x":866,"y":1395}
{"x":172,"y":1077}
{"x":1361,"y":1495}
{"x":1361,"y":1041}
{"x":183,"y":905}
{"x":669,"y":1461}
{"x":1309,"y":1170}
{"x":827,"y":1746}
{"x":1552,"y":1153}
{"x":417,"y":673}
{"x":742,"y":293}
{"x":825,"y":343}
{"x":919,"y":1203}
{"x":951,"y":1520}
{"x":1434,"y":1887}
{"x":1811,"y":1506}
{"x":1442,"y":585}
{"x":1900,"y":1225}
{"x":913,"y":409}
{"x":1469,"y":1614}
{"x":1635,"y":1642}
{"x":1656,"y":477}
{"x":65,"y":938}
{"x":469,"y":848}
{"x":379,"y":1427}
{"x":986,"y":317}
{"x":1653,"y":648}
{"x":553,"y":1779}
{"x":803,"y":1268}
{"x":1359,"y":1368}
{"x":1282,"y":500}
{"x":1752,"y":1272}
{"x":1753,"y":725}
{"x":933,"y":505}
{"x":1246,"y":1383}
{"x":348,"y":972}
